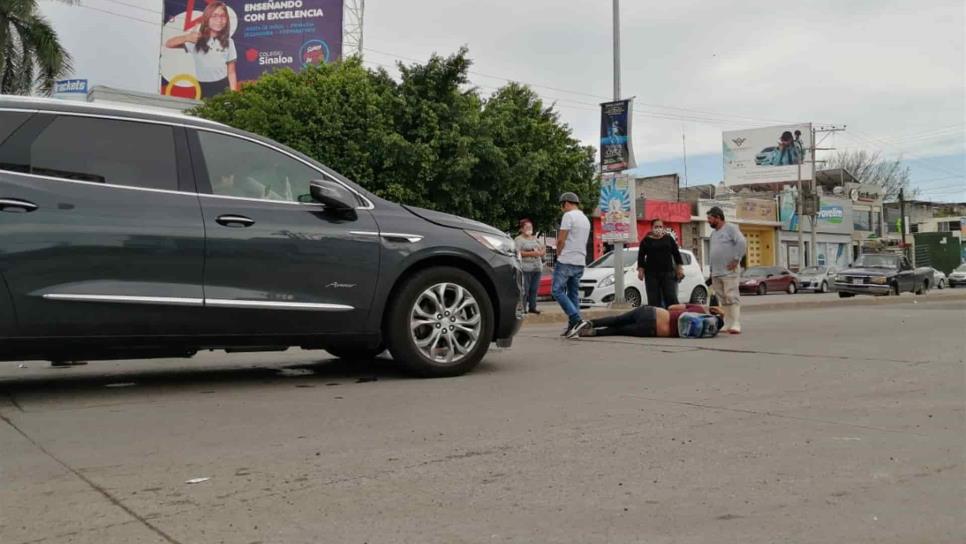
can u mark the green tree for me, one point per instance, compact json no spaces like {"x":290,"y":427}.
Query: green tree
{"x":426,"y":140}
{"x":31,"y":56}
{"x":890,"y":174}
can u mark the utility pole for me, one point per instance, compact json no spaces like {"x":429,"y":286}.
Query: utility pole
{"x":353,"y":26}
{"x":902,"y":216}
{"x":816,"y":205}
{"x":684,"y":144}
{"x":801,"y":214}
{"x":619,"y":300}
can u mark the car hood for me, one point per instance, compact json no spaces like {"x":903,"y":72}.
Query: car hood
{"x":452,"y":221}
{"x":867,"y":272}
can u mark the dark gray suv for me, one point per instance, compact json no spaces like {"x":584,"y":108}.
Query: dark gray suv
{"x":126,"y":233}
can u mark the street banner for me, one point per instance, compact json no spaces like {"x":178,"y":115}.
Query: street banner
{"x":616,"y":150}
{"x":767,"y":155}
{"x":617,"y":203}
{"x":210,"y":46}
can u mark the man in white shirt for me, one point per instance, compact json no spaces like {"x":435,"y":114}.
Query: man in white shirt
{"x":571,"y":259}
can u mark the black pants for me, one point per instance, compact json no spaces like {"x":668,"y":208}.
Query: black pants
{"x":640,"y":322}
{"x":212,"y":88}
{"x":662,"y":289}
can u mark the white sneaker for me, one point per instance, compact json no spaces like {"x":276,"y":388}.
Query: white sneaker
{"x":575,"y":330}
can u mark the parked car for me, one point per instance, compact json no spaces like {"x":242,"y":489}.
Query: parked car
{"x":958,"y":276}
{"x":130,"y":234}
{"x":882,"y":274}
{"x":761,"y":280}
{"x":939,"y":279}
{"x":597,"y":284}
{"x":546,"y":284}
{"x":817,"y":278}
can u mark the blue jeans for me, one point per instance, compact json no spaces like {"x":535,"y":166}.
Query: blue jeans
{"x":531,"y":286}
{"x":566,"y":289}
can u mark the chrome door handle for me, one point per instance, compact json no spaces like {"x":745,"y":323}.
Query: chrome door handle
{"x":14,"y":205}
{"x":235,"y":221}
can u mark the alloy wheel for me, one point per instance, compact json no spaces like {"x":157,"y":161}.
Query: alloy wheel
{"x":445,"y":323}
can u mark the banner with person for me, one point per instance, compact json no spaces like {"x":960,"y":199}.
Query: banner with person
{"x":617,"y":208}
{"x":767,"y":155}
{"x":210,"y":46}
{"x":616,"y":150}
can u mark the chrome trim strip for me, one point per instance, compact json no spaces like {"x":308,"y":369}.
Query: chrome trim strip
{"x":174,"y":123}
{"x":29,"y":206}
{"x":398,"y":236}
{"x":272,"y":305}
{"x":124,"y":299}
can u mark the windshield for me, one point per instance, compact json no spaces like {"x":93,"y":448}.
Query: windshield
{"x":607,"y":261}
{"x":813,"y":271}
{"x":878,"y":261}
{"x":757,"y":271}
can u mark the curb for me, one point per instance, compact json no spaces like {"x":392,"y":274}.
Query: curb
{"x":560,"y":318}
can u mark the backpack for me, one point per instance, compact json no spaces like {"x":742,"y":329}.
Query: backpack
{"x":695,"y":325}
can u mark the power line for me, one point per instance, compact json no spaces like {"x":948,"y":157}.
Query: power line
{"x":135,"y":6}
{"x":116,"y":14}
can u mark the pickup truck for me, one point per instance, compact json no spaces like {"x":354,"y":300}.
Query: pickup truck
{"x":882,"y":274}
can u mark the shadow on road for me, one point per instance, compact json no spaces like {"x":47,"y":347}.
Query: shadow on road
{"x":323,"y":373}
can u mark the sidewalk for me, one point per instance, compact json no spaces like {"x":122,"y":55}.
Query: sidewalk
{"x":552,"y":314}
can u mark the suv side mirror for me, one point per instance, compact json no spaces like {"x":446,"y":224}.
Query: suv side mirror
{"x":335,"y":197}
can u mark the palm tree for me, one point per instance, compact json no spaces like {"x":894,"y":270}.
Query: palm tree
{"x":31,"y":57}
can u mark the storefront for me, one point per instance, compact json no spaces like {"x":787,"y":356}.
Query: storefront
{"x":674,"y":215}
{"x":833,"y":239}
{"x":757,"y":218}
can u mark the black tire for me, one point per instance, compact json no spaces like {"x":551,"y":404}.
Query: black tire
{"x":941,"y":285}
{"x":823,"y":288}
{"x":792,"y":288}
{"x":895,"y":290}
{"x":699,"y":295}
{"x":922,"y":288}
{"x":846,"y":295}
{"x":356,"y":353}
{"x":762,"y":289}
{"x":633,"y":297}
{"x":399,"y":334}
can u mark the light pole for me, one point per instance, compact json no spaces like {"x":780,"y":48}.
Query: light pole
{"x":619,"y":246}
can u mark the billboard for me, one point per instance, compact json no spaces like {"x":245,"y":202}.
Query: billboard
{"x":834,"y":215}
{"x":617,"y":202}
{"x":616,"y":151}
{"x":767,"y":155}
{"x":210,"y":46}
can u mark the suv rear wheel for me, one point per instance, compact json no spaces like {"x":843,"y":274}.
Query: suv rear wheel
{"x":440,"y":323}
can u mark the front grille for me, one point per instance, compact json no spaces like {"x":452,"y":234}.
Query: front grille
{"x":587,"y":291}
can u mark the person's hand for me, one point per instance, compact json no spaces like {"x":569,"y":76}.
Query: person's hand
{"x":707,"y":282}
{"x":733,"y":265}
{"x":640,"y":274}
{"x":192,"y":37}
{"x":680,"y":273}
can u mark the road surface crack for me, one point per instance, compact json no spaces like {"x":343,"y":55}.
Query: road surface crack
{"x":105,"y":493}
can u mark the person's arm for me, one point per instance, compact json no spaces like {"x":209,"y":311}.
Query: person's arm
{"x":179,"y":41}
{"x":678,"y":260}
{"x":642,"y":258}
{"x":561,"y":240}
{"x":232,"y":76}
{"x":740,"y":246}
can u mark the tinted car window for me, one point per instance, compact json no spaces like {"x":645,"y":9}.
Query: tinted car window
{"x":11,"y":121}
{"x":106,"y":151}
{"x":685,"y":258}
{"x":240,"y":168}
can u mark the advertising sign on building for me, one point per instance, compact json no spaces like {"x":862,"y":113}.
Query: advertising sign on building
{"x":767,"y":155}
{"x":210,"y":46}
{"x":754,"y":209}
{"x":834,"y":215}
{"x":71,"y":89}
{"x":618,"y":218}
{"x":616,"y":151}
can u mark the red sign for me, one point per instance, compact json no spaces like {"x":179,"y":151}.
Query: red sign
{"x":673,"y":212}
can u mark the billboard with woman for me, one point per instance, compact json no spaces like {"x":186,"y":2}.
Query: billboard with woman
{"x":212,"y":46}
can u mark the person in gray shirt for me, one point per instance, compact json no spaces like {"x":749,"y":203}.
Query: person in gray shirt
{"x":728,"y":246}
{"x":531,"y":250}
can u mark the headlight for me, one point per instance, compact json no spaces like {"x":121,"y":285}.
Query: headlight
{"x":499,"y":244}
{"x":751,"y":282}
{"x":879,"y":280}
{"x":607,"y":281}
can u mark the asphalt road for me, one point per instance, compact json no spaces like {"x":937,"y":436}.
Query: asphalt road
{"x":841,"y":424}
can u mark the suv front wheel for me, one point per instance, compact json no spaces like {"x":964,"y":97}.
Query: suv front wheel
{"x":441,"y":323}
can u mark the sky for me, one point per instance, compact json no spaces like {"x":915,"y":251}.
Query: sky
{"x":892,"y":72}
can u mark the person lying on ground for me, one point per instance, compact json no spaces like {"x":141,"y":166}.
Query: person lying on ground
{"x":679,"y":320}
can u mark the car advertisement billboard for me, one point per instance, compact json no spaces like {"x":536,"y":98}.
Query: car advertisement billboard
{"x":210,"y":46}
{"x":767,"y":155}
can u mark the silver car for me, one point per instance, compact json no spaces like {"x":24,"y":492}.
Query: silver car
{"x":819,"y":279}
{"x":939,"y":278}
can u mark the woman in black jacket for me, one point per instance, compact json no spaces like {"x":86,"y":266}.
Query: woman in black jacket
{"x":660,"y":265}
